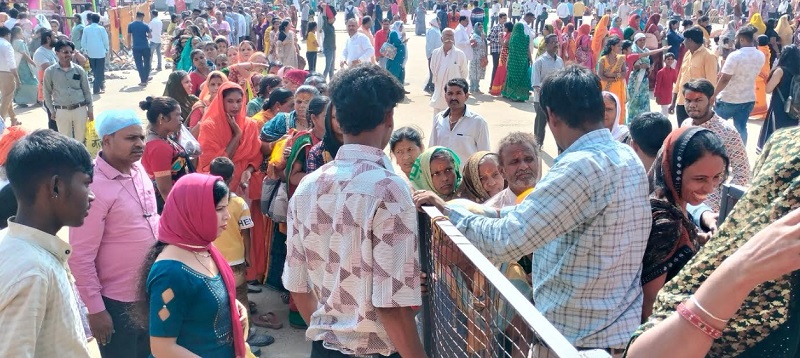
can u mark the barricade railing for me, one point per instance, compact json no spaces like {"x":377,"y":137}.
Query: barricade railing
{"x":475,"y":309}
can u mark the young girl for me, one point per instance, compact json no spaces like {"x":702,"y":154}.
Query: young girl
{"x":312,"y":46}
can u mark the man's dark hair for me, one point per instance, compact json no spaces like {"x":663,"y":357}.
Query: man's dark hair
{"x":649,"y":130}
{"x":502,"y":14}
{"x":154,"y":13}
{"x":63,"y":43}
{"x":747,"y":32}
{"x":139,"y":14}
{"x":222,"y":166}
{"x":703,"y":18}
{"x":763,"y":40}
{"x":95,"y":17}
{"x":669,"y":55}
{"x":462,"y":18}
{"x":460,"y":82}
{"x":528,"y":14}
{"x":52,"y":153}
{"x":672,"y":23}
{"x":46,"y":34}
{"x":77,"y":17}
{"x":362,"y":95}
{"x":366,"y":20}
{"x":584,"y":107}
{"x":8,"y":205}
{"x":13,"y":13}
{"x":4,"y":31}
{"x":550,"y":37}
{"x":694,"y":33}
{"x":700,"y":85}
{"x":196,"y":11}
{"x":687,"y":23}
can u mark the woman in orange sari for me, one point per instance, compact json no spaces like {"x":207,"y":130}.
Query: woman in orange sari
{"x":502,"y":67}
{"x":583,"y":47}
{"x":208,"y":91}
{"x":599,"y":37}
{"x":568,"y":44}
{"x":225,"y":131}
{"x":761,"y":106}
{"x":611,"y":69}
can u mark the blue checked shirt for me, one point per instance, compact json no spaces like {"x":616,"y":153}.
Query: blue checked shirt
{"x":587,"y":223}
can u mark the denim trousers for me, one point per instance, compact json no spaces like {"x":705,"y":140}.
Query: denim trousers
{"x":330,"y":57}
{"x":98,"y":66}
{"x":141,"y":56}
{"x":740,"y":112}
{"x":155,"y":48}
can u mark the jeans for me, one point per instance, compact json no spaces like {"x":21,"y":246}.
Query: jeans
{"x":680,"y":114}
{"x":171,"y":9}
{"x":540,"y":123}
{"x":740,"y":112}
{"x":98,"y":66}
{"x":539,"y":23}
{"x":155,"y":47}
{"x":141,"y":56}
{"x":311,"y":58}
{"x":330,"y":57}
{"x":304,"y":28}
{"x":494,"y":20}
{"x":128,"y":340}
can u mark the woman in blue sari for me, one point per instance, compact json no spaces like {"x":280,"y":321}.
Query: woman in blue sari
{"x":26,"y":93}
{"x":396,"y":66}
{"x":638,"y":84}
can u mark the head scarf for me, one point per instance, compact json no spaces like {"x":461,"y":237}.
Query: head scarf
{"x":185,"y":63}
{"x":636,"y":48}
{"x":618,"y":131}
{"x":615,"y":30}
{"x":396,"y":27}
{"x":189,"y":221}
{"x":634,"y":22}
{"x":730,"y":32}
{"x":434,"y":22}
{"x":784,"y":30}
{"x":756,"y":21}
{"x":204,"y":93}
{"x":41,"y":22}
{"x":600,"y":32}
{"x":584,"y":30}
{"x":666,"y":174}
{"x":10,"y":136}
{"x":295,"y":76}
{"x":175,"y":89}
{"x":420,"y":175}
{"x":111,"y":121}
{"x":652,"y":24}
{"x":614,"y":23}
{"x":472,"y":177}
{"x":763,"y":324}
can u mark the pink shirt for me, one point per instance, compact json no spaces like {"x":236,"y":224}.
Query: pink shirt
{"x":110,"y":247}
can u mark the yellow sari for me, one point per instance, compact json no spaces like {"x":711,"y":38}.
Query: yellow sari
{"x":617,"y":86}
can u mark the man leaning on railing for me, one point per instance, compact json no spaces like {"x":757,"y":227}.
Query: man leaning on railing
{"x":587,"y":222}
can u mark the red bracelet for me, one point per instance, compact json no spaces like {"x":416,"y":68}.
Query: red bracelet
{"x":698,"y":322}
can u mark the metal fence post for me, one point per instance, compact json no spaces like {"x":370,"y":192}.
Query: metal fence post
{"x":425,"y":249}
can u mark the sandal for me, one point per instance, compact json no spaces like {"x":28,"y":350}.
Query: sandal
{"x":259,"y":340}
{"x":267,"y":320}
{"x":252,"y":306}
{"x":285,"y":298}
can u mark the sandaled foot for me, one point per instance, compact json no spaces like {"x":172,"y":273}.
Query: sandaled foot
{"x":285,"y":298}
{"x":267,"y":320}
{"x":252,"y":307}
{"x":259,"y":340}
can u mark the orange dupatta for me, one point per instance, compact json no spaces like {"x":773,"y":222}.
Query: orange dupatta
{"x":600,"y":32}
{"x":215,"y":134}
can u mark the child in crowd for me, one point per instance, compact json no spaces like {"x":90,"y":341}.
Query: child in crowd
{"x":312,"y":46}
{"x":665,"y":80}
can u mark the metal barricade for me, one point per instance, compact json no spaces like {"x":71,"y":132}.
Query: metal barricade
{"x":474,"y":310}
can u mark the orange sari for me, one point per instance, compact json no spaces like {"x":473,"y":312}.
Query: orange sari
{"x":216,"y":134}
{"x":761,"y":106}
{"x":599,"y":37}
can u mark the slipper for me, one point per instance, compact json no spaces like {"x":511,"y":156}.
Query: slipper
{"x":252,"y":307}
{"x":267,"y":320}
{"x":285,"y":298}
{"x":253,"y":289}
{"x":260,"y":340}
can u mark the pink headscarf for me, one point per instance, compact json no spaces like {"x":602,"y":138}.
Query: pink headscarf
{"x":189,"y":221}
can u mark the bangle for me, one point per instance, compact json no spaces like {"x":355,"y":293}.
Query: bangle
{"x":698,"y":322}
{"x":696,"y":303}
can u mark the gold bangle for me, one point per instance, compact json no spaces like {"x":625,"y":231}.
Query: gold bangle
{"x":696,"y":303}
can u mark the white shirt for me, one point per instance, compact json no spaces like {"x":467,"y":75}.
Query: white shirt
{"x":601,"y":8}
{"x":462,"y":41}
{"x":358,"y":47}
{"x":495,"y":9}
{"x":241,"y":24}
{"x":38,"y":300}
{"x":156,"y":26}
{"x":445,"y":67}
{"x":623,"y":12}
{"x":44,"y":55}
{"x":562,"y":10}
{"x":469,"y":135}
{"x":516,"y":9}
{"x":744,"y":65}
{"x":7,"y":60}
{"x":10,"y":23}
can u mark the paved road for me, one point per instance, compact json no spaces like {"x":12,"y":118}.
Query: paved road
{"x":502,"y":116}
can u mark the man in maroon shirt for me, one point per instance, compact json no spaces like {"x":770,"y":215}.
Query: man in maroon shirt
{"x":380,"y":37}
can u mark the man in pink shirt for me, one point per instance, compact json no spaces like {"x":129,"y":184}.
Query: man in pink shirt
{"x":110,"y":246}
{"x":380,"y":37}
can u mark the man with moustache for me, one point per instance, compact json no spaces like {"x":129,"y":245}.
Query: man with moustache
{"x":113,"y":241}
{"x":358,"y":49}
{"x":67,"y":94}
{"x":458,"y":128}
{"x":519,"y":165}
{"x":699,"y":101}
{"x":447,"y":63}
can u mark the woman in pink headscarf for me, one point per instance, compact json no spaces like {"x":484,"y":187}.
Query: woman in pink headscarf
{"x":189,"y":288}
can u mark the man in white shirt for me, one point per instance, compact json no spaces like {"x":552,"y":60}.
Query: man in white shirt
{"x":358,"y":48}
{"x":156,"y":27}
{"x":447,"y":63}
{"x":462,"y":37}
{"x":562,"y":11}
{"x":495,"y":12}
{"x":600,"y":8}
{"x":463,"y":131}
{"x":241,"y":25}
{"x":624,"y":12}
{"x":516,"y":11}
{"x":304,"y":9}
{"x":540,"y":12}
{"x":12,"y":18}
{"x":38,"y":301}
{"x":736,"y":88}
{"x":171,"y":6}
{"x":8,"y":76}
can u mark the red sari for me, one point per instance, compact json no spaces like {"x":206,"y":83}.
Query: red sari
{"x":502,"y":68}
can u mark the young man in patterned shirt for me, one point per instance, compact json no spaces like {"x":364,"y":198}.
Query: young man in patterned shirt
{"x":352,"y":256}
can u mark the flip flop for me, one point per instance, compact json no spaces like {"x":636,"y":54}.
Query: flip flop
{"x":260,"y":340}
{"x":253,"y":289}
{"x":285,"y":298}
{"x":267,"y":320}
{"x":252,"y":306}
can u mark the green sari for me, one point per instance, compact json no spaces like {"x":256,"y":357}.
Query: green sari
{"x":518,"y":82}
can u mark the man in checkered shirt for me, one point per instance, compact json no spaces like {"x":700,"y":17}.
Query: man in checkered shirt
{"x":587,"y":223}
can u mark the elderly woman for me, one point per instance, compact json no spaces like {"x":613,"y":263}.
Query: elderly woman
{"x":482,"y":178}
{"x":437,"y":171}
{"x":405,"y":145}
{"x":396,"y":65}
{"x":179,"y":87}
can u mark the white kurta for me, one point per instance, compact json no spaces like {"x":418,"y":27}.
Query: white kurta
{"x":462,"y":41}
{"x":446,"y":67}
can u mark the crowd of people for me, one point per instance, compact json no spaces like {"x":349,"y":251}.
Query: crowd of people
{"x":253,"y":169}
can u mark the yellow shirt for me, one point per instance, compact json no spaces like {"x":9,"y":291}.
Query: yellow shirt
{"x":230,"y":242}
{"x":700,"y":64}
{"x":578,"y":9}
{"x":311,"y":42}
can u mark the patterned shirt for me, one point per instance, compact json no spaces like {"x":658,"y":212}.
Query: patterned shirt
{"x":740,"y":167}
{"x":352,"y":241}
{"x":494,"y":38}
{"x":587,"y":224}
{"x":743,"y":65}
{"x":38,"y":301}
